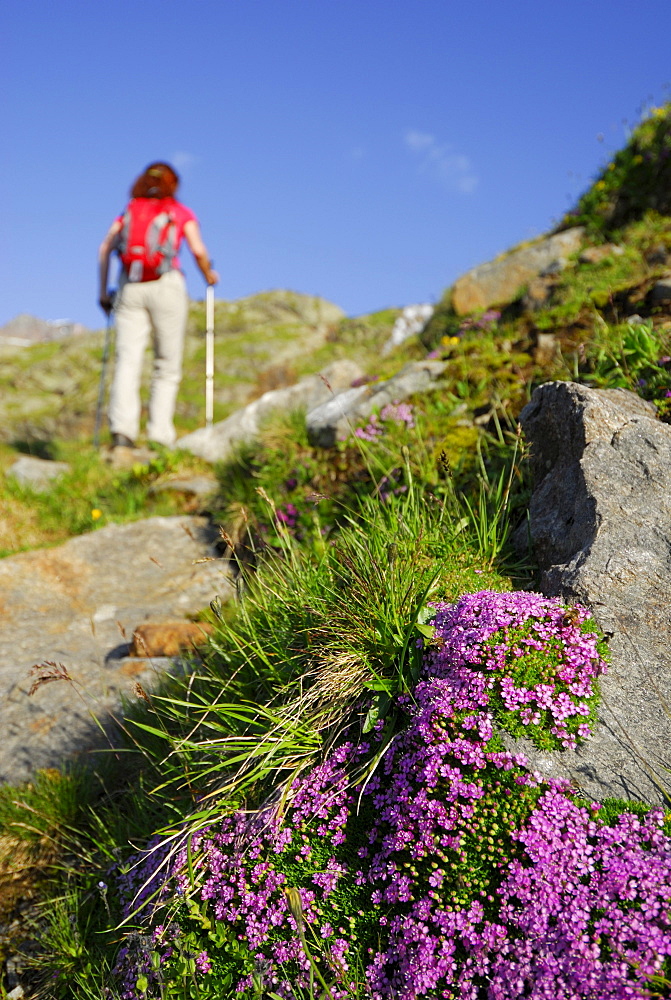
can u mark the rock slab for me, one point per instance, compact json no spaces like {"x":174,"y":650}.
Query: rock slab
{"x":499,"y":281}
{"x":600,"y":524}
{"x":216,"y":443}
{"x":78,"y":605}
{"x":336,"y":418}
{"x":37,"y":473}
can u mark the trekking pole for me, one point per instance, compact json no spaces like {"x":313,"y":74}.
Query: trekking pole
{"x":101,"y":388}
{"x":209,"y":355}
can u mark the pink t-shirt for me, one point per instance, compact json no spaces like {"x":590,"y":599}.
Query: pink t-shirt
{"x":181,"y":215}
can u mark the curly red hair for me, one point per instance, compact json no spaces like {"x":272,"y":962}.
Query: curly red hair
{"x":159,"y":180}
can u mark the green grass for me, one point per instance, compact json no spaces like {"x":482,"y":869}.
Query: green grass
{"x":90,"y":495}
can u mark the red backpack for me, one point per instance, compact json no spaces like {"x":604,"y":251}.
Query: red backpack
{"x":148,"y":239}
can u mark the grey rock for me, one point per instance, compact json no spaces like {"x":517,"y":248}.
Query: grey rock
{"x":661,"y":290}
{"x":217,"y":442}
{"x":410,"y":323}
{"x":196,"y":486}
{"x":336,"y":418}
{"x":600,"y":525}
{"x":58,"y":382}
{"x":546,"y":348}
{"x":123,"y":457}
{"x":78,"y":605}
{"x":554,"y":268}
{"x":37,"y":473}
{"x":595,"y":255}
{"x":657,"y":256}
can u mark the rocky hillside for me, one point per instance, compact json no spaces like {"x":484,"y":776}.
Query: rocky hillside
{"x":395,"y":769}
{"x":49,"y":390}
{"x":24,"y":330}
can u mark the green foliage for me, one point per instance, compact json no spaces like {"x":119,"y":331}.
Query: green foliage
{"x":612,"y":809}
{"x":443,"y":324}
{"x":633,"y":357}
{"x":584,"y":290}
{"x":75,"y":920}
{"x":52,"y":801}
{"x":92,"y":494}
{"x":370,"y":331}
{"x":632,"y":351}
{"x":637,"y":179}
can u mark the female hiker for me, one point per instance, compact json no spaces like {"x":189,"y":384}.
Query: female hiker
{"x":152,"y":298}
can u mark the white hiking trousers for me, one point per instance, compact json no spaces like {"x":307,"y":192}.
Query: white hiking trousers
{"x":160,"y":308}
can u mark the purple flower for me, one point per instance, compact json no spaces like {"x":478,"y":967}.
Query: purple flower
{"x":203,"y":963}
{"x":400,"y":413}
{"x":288,"y":515}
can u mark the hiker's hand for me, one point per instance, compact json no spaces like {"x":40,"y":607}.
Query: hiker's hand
{"x":106,"y":303}
{"x":211,"y":277}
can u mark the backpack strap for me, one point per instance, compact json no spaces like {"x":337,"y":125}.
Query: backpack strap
{"x":165,"y":226}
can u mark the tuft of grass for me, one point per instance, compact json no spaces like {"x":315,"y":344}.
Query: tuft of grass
{"x":317,"y":628}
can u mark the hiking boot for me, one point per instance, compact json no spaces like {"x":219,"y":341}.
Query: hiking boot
{"x":121,"y":441}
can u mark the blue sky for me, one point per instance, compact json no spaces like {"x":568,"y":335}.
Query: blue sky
{"x":368,"y":151}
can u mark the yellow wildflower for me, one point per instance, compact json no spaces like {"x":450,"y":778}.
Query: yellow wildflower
{"x":95,"y":513}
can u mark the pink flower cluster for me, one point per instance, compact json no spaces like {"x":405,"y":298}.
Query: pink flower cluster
{"x":484,"y":322}
{"x":478,"y":879}
{"x":399,"y":413}
{"x":288,"y":515}
{"x":242,"y":871}
{"x":572,"y":908}
{"x":488,"y":639}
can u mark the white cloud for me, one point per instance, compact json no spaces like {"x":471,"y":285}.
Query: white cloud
{"x":418,"y":141}
{"x":183,"y":161}
{"x":441,"y":162}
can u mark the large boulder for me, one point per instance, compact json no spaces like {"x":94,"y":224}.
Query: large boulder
{"x":216,"y":443}
{"x":336,"y":418}
{"x":500,"y":280}
{"x":600,"y":526}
